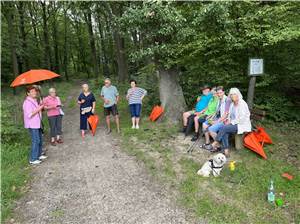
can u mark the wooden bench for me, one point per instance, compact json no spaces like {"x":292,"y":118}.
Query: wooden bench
{"x":256,"y":115}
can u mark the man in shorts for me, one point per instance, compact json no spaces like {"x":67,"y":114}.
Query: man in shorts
{"x":110,"y":96}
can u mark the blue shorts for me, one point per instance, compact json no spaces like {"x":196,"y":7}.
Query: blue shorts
{"x":135,"y":109}
{"x":216,"y":127}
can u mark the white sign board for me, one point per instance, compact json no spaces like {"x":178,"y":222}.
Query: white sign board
{"x":256,"y":66}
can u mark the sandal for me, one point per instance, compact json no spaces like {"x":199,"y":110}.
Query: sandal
{"x":53,"y":143}
{"x":59,"y":141}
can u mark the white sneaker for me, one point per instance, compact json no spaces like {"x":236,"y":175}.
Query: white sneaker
{"x":35,"y":162}
{"x":133,"y":127}
{"x":137,"y":127}
{"x":42,"y":157}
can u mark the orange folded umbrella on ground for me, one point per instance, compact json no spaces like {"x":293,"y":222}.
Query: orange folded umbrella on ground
{"x":251,"y":142}
{"x":157,"y":111}
{"x":262,"y":136}
{"x":33,"y":76}
{"x":93,"y":121}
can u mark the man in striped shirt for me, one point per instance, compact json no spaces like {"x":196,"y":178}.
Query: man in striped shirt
{"x":135,"y":96}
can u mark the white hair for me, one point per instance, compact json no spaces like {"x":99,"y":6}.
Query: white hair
{"x":52,"y":90}
{"x":237,"y":92}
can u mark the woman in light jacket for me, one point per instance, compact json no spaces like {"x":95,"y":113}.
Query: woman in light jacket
{"x":32,"y":112}
{"x":238,"y":121}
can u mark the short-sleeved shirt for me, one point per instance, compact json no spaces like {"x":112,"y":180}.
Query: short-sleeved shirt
{"x":52,"y":101}
{"x":212,"y":106}
{"x":89,"y":99}
{"x":203,"y":102}
{"x":135,"y":94}
{"x":110,"y":93}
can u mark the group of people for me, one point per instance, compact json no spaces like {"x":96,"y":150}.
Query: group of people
{"x":216,"y":116}
{"x":33,"y":106}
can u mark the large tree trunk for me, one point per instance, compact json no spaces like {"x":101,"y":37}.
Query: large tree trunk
{"x":55,"y":41}
{"x":171,"y":95}
{"x":88,"y":19}
{"x":65,"y":46}
{"x":47,"y":49}
{"x":119,"y":41}
{"x":12,"y":38}
{"x":24,"y":56}
{"x":104,"y":60}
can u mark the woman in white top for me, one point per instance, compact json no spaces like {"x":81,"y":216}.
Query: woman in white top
{"x":238,"y":121}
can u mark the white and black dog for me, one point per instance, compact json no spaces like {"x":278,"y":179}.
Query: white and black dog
{"x":214,"y":165}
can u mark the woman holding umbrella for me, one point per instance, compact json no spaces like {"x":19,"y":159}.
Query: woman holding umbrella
{"x":33,"y":122}
{"x":87,"y":103}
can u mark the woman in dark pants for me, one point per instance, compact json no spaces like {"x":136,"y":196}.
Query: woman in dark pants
{"x":53,"y":106}
{"x":87,"y":103}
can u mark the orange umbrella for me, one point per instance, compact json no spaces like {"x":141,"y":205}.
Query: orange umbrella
{"x":262,"y":136}
{"x":156,"y":113}
{"x":33,"y":76}
{"x":251,"y":142}
{"x":93,"y":121}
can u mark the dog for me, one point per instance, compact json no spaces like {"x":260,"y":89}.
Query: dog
{"x":214,"y":165}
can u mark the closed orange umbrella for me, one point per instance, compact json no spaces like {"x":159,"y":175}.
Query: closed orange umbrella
{"x":93,"y":121}
{"x":33,"y":76}
{"x":251,"y":142}
{"x":156,"y":113}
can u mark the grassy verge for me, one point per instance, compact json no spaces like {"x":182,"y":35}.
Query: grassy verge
{"x":15,"y":146}
{"x":234,"y":197}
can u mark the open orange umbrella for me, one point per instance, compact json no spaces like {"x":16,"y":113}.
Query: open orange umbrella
{"x":33,"y":76}
{"x":93,"y":121}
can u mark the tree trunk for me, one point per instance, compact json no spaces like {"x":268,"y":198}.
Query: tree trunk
{"x":55,"y":42}
{"x":65,"y":46}
{"x":88,"y":18}
{"x":12,"y":39}
{"x":104,"y":60}
{"x":119,"y":41}
{"x":171,"y":95}
{"x":47,"y":49}
{"x":24,"y":56}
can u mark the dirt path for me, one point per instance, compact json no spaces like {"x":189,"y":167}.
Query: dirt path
{"x":92,"y":181}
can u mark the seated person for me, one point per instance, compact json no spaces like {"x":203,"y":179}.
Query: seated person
{"x":202,"y":102}
{"x":238,"y":121}
{"x":213,"y":125}
{"x":208,"y":113}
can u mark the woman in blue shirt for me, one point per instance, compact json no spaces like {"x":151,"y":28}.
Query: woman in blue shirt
{"x":87,"y":103}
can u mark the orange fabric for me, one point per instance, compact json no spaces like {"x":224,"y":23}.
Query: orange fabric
{"x":93,"y":121}
{"x":287,"y":176}
{"x":251,"y":142}
{"x":262,"y":136}
{"x":156,"y":113}
{"x":33,"y":76}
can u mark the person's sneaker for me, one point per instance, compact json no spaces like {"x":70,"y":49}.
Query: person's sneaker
{"x":35,"y":162}
{"x":133,"y":127}
{"x":53,"y":143}
{"x":208,"y":147}
{"x":42,"y":157}
{"x":195,"y":137}
{"x":59,"y":141}
{"x":108,"y":131}
{"x":137,"y":127}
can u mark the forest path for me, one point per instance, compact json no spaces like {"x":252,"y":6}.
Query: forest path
{"x":93,"y":181}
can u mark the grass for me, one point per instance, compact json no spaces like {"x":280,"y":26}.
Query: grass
{"x":15,"y":146}
{"x":236,"y":196}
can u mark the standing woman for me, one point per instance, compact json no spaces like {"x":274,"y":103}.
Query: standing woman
{"x":238,"y":121}
{"x":32,"y":111}
{"x":87,"y":103}
{"x":135,"y":96}
{"x":53,"y":106}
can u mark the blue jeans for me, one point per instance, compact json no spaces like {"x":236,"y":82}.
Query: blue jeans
{"x":223,"y":134}
{"x":36,"y":143}
{"x":135,"y":109}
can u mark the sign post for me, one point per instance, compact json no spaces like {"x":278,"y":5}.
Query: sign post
{"x":256,"y":68}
